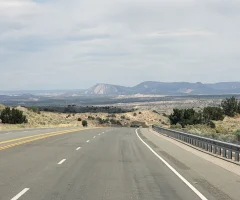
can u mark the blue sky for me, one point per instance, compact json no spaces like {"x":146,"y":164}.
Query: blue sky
{"x":59,"y":44}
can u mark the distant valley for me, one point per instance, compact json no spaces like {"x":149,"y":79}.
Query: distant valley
{"x":116,"y":94}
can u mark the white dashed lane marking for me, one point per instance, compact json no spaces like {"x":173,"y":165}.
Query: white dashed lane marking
{"x":62,"y":161}
{"x":20,"y":194}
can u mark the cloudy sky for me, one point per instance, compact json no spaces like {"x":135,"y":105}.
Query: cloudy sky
{"x":70,"y":44}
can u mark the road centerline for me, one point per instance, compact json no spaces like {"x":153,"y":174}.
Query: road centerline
{"x":20,"y":194}
{"x":78,"y":148}
{"x":88,"y":141}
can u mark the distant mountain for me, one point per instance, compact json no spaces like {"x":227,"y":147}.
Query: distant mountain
{"x":226,"y":87}
{"x":108,"y":89}
{"x":151,"y":87}
{"x":166,"y":88}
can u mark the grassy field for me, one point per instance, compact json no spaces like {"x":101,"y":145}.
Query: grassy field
{"x":50,"y":119}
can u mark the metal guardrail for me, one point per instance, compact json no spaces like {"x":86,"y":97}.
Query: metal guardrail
{"x":223,"y":149}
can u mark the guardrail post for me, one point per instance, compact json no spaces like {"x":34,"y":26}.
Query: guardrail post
{"x":229,"y":154}
{"x":206,"y":146}
{"x":219,"y":151}
{"x":214,"y":149}
{"x":236,"y":156}
{"x":210,"y":148}
{"x":224,"y":153}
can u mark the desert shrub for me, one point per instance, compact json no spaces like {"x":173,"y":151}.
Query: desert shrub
{"x":185,"y":117}
{"x":116,"y":122}
{"x":165,"y":115}
{"x":176,"y":126}
{"x":33,"y":109}
{"x":84,"y":123}
{"x":128,"y":119}
{"x":79,"y":119}
{"x":91,"y":117}
{"x":102,"y":121}
{"x":230,"y":106}
{"x":123,"y":117}
{"x":68,"y":116}
{"x":137,"y":124}
{"x":154,"y":111}
{"x":221,"y":129}
{"x":212,"y":113}
{"x":237,"y":133}
{"x":12,"y":116}
{"x":112,"y":115}
{"x":164,"y":123}
{"x":140,"y":113}
{"x":211,"y":124}
{"x":134,"y":114}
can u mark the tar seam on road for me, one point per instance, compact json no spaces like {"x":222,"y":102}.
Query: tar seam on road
{"x":20,"y":194}
{"x":78,"y":148}
{"x":199,"y":194}
{"x":62,"y":161}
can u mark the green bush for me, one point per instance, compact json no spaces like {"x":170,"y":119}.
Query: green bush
{"x":33,"y":109}
{"x":177,"y":126}
{"x":212,"y":113}
{"x":165,"y":115}
{"x":230,"y":106}
{"x":91,"y":118}
{"x":211,"y":124}
{"x":102,"y":121}
{"x":185,"y":117}
{"x":123,"y":117}
{"x":12,"y":116}
{"x":238,"y":135}
{"x":84,"y":123}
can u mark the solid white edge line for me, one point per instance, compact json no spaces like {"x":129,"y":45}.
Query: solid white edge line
{"x":94,"y":137}
{"x":199,"y":194}
{"x":78,"y":148}
{"x":62,"y":161}
{"x":88,"y":141}
{"x":20,"y":194}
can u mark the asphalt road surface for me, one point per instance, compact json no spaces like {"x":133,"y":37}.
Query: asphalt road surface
{"x":106,"y":164}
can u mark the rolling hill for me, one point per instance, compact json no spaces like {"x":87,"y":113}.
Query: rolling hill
{"x":166,"y":88}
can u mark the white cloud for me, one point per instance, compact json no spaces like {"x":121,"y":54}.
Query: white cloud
{"x":74,"y":44}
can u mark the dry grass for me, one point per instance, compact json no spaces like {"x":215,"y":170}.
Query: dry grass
{"x":230,"y":124}
{"x":50,"y":119}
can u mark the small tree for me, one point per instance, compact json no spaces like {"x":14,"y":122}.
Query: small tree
{"x":84,"y":123}
{"x":12,"y":116}
{"x":230,"y":106}
{"x":212,"y":113}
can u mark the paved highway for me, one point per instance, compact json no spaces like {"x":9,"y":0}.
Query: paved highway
{"x":107,"y":164}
